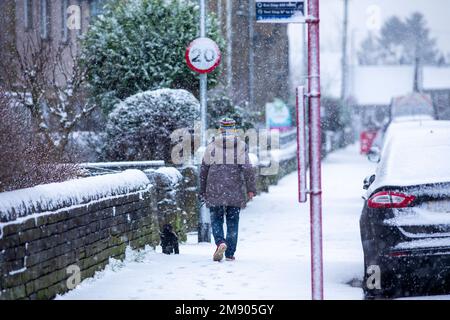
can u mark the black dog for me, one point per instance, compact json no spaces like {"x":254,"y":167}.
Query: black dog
{"x":169,"y":240}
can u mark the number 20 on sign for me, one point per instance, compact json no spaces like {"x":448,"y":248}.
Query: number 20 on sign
{"x":203,"y":55}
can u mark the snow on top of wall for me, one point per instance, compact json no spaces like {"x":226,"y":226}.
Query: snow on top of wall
{"x":53,"y":196}
{"x":172,"y":173}
{"x":116,"y":164}
{"x":253,"y":158}
{"x":285,"y":153}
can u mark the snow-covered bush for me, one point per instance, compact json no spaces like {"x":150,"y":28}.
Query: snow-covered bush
{"x":220,"y":105}
{"x":139,"y":45}
{"x":139,"y":128}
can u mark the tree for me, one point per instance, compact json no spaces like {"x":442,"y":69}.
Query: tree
{"x":50,"y":83}
{"x":418,"y":43}
{"x":220,"y":105}
{"x":391,"y":42}
{"x":369,"y":55}
{"x":139,"y":128}
{"x":25,"y":160}
{"x":139,"y":45}
{"x":400,"y":42}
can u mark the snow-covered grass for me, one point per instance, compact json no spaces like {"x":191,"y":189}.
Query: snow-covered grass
{"x":54,"y":196}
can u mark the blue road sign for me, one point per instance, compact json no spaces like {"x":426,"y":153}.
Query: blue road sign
{"x":276,"y":11}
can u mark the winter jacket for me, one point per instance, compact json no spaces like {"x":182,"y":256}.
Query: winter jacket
{"x":226,"y":173}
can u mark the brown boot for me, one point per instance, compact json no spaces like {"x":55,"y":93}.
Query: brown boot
{"x":218,"y":255}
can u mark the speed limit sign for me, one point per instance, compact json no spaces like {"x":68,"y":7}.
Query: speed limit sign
{"x":203,"y":55}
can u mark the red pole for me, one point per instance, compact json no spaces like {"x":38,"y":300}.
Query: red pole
{"x":301,"y":144}
{"x":314,"y":150}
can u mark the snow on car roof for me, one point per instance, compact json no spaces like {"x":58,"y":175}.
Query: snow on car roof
{"x":416,"y":152}
{"x":396,"y":128}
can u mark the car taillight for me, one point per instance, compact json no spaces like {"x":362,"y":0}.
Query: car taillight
{"x":389,"y":199}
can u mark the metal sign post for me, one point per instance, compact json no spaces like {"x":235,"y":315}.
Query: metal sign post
{"x":280,"y":11}
{"x":283,"y":11}
{"x":204,"y":228}
{"x":315,"y":149}
{"x":301,"y":144}
{"x":203,"y":56}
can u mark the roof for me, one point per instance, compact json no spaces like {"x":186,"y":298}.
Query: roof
{"x":436,"y":78}
{"x":377,"y":85}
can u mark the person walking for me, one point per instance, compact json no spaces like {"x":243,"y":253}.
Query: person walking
{"x":226,"y":177}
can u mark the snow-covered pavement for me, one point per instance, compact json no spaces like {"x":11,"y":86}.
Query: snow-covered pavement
{"x":273,"y":254}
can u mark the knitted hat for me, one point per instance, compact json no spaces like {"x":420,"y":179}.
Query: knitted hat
{"x":227,"y":123}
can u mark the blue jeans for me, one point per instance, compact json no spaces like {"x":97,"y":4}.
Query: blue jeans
{"x":232,"y":218}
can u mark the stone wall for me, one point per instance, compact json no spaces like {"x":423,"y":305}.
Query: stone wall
{"x":176,"y":199}
{"x":36,"y":252}
{"x":286,"y":166}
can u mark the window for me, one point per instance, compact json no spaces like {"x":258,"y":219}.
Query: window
{"x":28,"y":14}
{"x":64,"y":17}
{"x":45,"y":18}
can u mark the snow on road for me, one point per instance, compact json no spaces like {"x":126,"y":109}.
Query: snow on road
{"x":273,"y":254}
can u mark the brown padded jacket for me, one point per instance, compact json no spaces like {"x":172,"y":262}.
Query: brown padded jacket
{"x":226,"y":173}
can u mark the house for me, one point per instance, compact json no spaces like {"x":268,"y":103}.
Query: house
{"x":49,"y":19}
{"x":45,"y":20}
{"x":437,"y":83}
{"x":373,"y":87}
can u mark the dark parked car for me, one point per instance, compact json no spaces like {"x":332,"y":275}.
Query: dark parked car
{"x":405,"y":221}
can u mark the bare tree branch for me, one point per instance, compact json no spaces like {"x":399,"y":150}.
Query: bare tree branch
{"x":48,"y":80}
